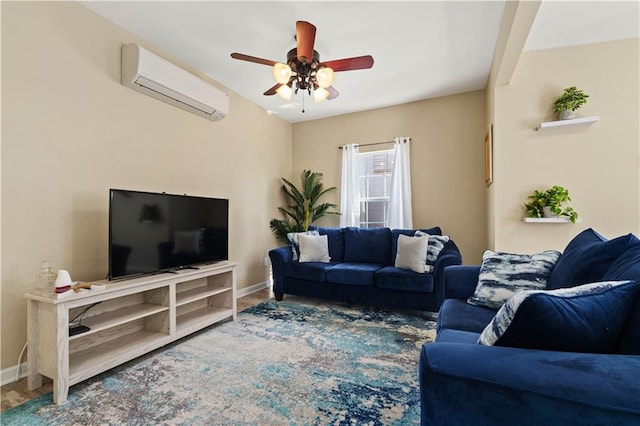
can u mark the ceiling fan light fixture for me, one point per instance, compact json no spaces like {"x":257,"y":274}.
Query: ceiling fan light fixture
{"x":320,"y":94}
{"x":285,"y":92}
{"x":282,"y":73}
{"x":324,"y":76}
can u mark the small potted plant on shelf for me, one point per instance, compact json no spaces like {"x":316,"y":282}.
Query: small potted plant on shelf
{"x":550,"y":203}
{"x":571,"y":99}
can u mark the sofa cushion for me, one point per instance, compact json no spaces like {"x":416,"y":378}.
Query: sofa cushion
{"x":412,"y":253}
{"x":587,"y":318}
{"x":409,"y":232}
{"x":403,"y":279}
{"x":313,"y":248}
{"x":457,"y":314}
{"x":313,"y":271}
{"x":367,"y":245}
{"x":627,"y":267}
{"x":502,"y":274}
{"x":352,"y":273}
{"x":335,"y":238}
{"x":457,"y":336}
{"x":586,"y":259}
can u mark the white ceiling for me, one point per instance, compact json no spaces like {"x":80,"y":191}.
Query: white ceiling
{"x":422,"y":49}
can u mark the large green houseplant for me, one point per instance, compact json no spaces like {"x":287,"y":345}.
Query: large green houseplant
{"x":571,"y":99}
{"x":303,"y":207}
{"x":550,"y":203}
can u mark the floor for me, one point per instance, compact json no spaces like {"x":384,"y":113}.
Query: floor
{"x":16,"y":393}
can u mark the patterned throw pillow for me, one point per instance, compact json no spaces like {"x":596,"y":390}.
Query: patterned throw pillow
{"x":295,"y":245}
{"x":412,"y":252}
{"x":436,"y":244}
{"x":503,"y":274}
{"x":587,"y":318}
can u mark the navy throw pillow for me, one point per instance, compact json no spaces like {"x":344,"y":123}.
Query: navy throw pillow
{"x":627,"y":267}
{"x":586,"y":259}
{"x":367,"y":245}
{"x":587,"y":318}
{"x":336,"y":241}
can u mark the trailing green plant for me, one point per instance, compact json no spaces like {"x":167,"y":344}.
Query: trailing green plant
{"x":304,"y":205}
{"x":554,"y":198}
{"x":571,"y":99}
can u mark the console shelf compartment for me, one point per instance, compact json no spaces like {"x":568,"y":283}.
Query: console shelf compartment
{"x":127,"y":319}
{"x":118,"y":317}
{"x":88,"y":362}
{"x":201,"y":317}
{"x":197,"y":294}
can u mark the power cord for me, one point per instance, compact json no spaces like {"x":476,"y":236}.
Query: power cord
{"x":81,"y":314}
{"x":20,"y":359}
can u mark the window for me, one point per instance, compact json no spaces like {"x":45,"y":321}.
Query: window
{"x":375,"y":182}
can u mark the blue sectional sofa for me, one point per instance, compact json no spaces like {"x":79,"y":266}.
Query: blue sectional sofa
{"x":361,"y":270}
{"x":463,"y":382}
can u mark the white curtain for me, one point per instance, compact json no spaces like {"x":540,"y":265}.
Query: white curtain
{"x":399,"y":215}
{"x":350,"y":186}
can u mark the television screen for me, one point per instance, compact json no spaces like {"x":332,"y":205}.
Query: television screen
{"x":158,"y":232}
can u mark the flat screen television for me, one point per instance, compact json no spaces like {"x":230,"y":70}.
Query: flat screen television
{"x":157,"y":232}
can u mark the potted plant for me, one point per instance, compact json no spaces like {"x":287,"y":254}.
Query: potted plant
{"x":571,"y":99}
{"x":304,"y":207}
{"x":550,"y":203}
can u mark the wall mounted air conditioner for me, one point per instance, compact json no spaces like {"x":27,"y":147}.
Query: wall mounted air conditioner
{"x":147,"y":73}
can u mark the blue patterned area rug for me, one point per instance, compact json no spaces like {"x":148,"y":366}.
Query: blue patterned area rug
{"x":296,"y":362}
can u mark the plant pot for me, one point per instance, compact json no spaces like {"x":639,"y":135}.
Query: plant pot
{"x":566,"y":114}
{"x":546,"y":212}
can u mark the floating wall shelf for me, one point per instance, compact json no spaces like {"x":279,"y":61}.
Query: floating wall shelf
{"x":583,"y":121}
{"x":549,"y":220}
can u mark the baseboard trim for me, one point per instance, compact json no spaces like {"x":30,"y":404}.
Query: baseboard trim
{"x":252,"y":289}
{"x":8,"y":375}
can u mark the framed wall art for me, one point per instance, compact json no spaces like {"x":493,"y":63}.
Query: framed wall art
{"x":488,"y":156}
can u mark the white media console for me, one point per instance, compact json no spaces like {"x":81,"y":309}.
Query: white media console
{"x":128,"y":318}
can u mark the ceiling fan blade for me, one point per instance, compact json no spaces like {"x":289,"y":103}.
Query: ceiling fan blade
{"x":272,"y":91}
{"x":248,"y":58}
{"x":305,"y":38}
{"x":348,"y":64}
{"x":333,"y":93}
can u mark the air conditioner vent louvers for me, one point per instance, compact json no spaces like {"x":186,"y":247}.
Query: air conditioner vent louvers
{"x":156,"y":77}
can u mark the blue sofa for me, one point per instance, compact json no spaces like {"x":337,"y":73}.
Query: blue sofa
{"x":463,"y":382}
{"x":362,"y":270}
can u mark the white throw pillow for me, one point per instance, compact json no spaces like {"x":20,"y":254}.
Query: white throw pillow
{"x":412,"y":252}
{"x":313,"y":248}
{"x":293,"y":241}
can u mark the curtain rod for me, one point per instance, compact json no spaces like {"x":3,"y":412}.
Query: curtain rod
{"x":373,"y":143}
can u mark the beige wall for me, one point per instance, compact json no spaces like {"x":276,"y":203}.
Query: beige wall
{"x":70,"y":131}
{"x":598,"y":164}
{"x":447,"y":169}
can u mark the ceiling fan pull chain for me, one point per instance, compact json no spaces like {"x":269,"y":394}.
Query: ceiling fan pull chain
{"x":303,"y":102}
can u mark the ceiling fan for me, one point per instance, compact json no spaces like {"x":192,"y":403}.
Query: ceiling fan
{"x":304,"y":71}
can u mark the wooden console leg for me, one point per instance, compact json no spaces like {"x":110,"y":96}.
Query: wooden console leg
{"x":279,"y":296}
{"x":34,"y":379}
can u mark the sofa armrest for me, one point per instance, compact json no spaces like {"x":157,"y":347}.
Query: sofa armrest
{"x":462,"y":383}
{"x":450,"y":255}
{"x":279,"y":256}
{"x":460,"y":281}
